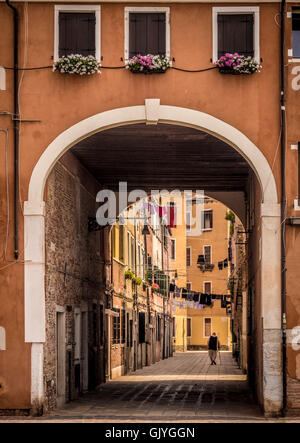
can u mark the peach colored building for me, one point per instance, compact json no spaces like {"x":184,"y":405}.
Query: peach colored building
{"x":189,"y":127}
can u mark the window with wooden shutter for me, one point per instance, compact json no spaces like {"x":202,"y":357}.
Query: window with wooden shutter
{"x":296,"y":32}
{"x":207,"y":287}
{"x":147,"y":33}
{"x":207,"y":327}
{"x":142,"y":327}
{"x":188,"y":256}
{"x":189,"y":327}
{"x":77,"y":33}
{"x":207,"y":219}
{"x":116,"y":327}
{"x":173,"y":249}
{"x":123,"y":326}
{"x":236,"y":34}
{"x":207,"y":254}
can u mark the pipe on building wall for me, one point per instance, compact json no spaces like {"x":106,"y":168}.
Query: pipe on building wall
{"x":16,"y":129}
{"x":283,"y":205}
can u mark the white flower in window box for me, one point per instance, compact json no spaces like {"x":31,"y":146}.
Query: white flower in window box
{"x":148,"y":64}
{"x":237,"y":64}
{"x":77,"y":64}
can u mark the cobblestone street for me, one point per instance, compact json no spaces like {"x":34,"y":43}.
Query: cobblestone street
{"x":184,"y":387}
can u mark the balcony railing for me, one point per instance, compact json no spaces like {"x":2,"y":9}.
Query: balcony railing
{"x":206,"y":267}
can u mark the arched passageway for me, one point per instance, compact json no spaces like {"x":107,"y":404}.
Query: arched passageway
{"x":160,"y":147}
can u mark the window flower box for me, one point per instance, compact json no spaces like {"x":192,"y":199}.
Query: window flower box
{"x":155,"y":287}
{"x":77,"y":64}
{"x":236,"y":64}
{"x":148,"y":64}
{"x":129,"y":275}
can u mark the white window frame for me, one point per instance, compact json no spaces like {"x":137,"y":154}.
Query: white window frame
{"x":128,"y":250}
{"x":203,"y":219}
{"x":236,"y":10}
{"x":78,"y":8}
{"x":190,"y":248}
{"x":211,"y":328}
{"x":174,"y":327}
{"x":191,"y":323}
{"x":188,"y":227}
{"x":145,"y":9}
{"x":206,"y":246}
{"x":173,"y":240}
{"x":290,"y":51}
{"x":210,"y":286}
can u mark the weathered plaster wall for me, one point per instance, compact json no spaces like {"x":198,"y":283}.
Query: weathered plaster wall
{"x":73,"y":264}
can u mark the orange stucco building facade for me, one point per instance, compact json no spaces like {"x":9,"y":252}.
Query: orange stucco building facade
{"x":57,"y":111}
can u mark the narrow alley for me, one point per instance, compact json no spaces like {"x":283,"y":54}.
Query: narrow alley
{"x":184,"y":387}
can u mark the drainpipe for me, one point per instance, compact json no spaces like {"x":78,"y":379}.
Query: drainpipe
{"x":283,"y":207}
{"x":16,"y":130}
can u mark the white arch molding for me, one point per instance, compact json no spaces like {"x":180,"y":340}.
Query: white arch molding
{"x":152,"y":113}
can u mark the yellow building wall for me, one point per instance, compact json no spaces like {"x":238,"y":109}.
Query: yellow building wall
{"x":220,"y":324}
{"x":217,"y":238}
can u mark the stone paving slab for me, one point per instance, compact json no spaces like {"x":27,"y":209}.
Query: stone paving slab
{"x":184,"y":388}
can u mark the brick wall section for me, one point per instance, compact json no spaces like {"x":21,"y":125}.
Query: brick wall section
{"x":73,"y":263}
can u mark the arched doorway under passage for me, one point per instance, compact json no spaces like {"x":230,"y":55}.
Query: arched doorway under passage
{"x":152,"y":113}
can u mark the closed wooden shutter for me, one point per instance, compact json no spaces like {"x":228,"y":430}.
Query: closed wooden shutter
{"x":189,"y":327}
{"x":147,"y":34}
{"x":77,"y":33}
{"x":207,"y":327}
{"x":207,"y":287}
{"x":235,"y":34}
{"x":142,"y":327}
{"x":296,"y":33}
{"x":188,"y":256}
{"x":207,"y":254}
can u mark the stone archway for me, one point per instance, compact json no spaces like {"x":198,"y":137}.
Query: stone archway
{"x":152,"y":113}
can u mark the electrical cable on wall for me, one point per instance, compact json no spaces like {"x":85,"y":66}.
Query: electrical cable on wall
{"x":116,"y":67}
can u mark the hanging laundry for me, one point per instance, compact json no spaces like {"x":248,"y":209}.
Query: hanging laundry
{"x":203,"y":299}
{"x":196,"y":296}
{"x":177,"y":292}
{"x":220,"y":265}
{"x":190,"y":295}
{"x":208,"y":299}
{"x":171,"y":217}
{"x":184,"y":293}
{"x":172,"y":287}
{"x":225,"y":263}
{"x":162,"y":210}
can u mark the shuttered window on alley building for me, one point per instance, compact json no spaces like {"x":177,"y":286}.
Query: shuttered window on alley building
{"x":77,"y":33}
{"x":147,"y":34}
{"x":207,"y":254}
{"x":116,"y":328}
{"x":207,"y":219}
{"x":207,"y":327}
{"x":188,"y":256}
{"x":142,"y":327}
{"x":123,"y":325}
{"x":189,"y":327}
{"x":207,"y":287}
{"x":235,"y":34}
{"x":296,"y":32}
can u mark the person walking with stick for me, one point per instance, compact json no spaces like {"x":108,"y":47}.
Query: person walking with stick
{"x":213,"y":347}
